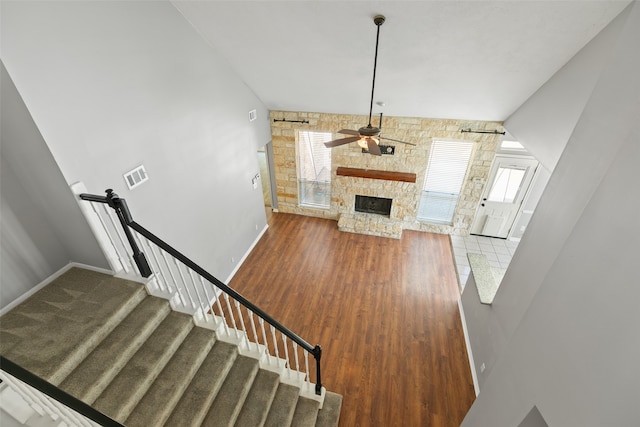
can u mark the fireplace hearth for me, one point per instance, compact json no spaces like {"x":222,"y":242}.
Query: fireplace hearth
{"x":374,"y":205}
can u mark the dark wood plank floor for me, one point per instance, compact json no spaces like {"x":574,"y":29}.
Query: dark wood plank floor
{"x":384,"y":310}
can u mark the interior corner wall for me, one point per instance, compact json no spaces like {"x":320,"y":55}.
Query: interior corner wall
{"x":562,"y":332}
{"x":113,"y":85}
{"x":544,"y":128}
{"x":41,"y":224}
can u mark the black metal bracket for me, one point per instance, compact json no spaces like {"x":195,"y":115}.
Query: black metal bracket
{"x":291,"y":121}
{"x":124,"y":216}
{"x":492,"y":132}
{"x":384,"y":149}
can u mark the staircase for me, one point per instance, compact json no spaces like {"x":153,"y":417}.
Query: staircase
{"x":105,"y":341}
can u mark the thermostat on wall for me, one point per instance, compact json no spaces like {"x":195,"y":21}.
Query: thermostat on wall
{"x":136,"y":177}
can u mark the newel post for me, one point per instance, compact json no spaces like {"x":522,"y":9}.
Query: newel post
{"x":124,"y":215}
{"x":317,"y":354}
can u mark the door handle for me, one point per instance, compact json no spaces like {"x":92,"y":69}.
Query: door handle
{"x":484,"y":200}
{"x":482,"y":204}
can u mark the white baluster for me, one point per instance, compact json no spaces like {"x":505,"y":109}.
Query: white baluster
{"x":264,"y":338}
{"x":253,"y":329}
{"x":233,"y":319}
{"x":206,"y":293}
{"x":306,"y":366}
{"x":122,"y":262}
{"x":42,"y":406}
{"x":286,"y":355}
{"x":70,"y":416}
{"x":117,"y":229}
{"x":226,"y":327}
{"x":275,"y":344}
{"x":155,"y":265}
{"x":244,"y":329}
{"x":202,"y":304}
{"x":18,"y":387}
{"x":173,"y":278}
{"x":295,"y":354}
{"x":184,"y":283}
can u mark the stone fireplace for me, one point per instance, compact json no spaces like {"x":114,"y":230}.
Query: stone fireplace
{"x":398,"y":177}
{"x":380,"y":186}
{"x":373,"y":205}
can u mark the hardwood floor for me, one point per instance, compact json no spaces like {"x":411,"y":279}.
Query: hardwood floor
{"x":385,"y":312}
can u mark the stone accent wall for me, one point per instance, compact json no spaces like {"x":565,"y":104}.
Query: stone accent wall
{"x":407,"y":158}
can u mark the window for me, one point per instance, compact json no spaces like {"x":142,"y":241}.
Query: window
{"x":446,"y":169}
{"x":506,"y":184}
{"x":314,"y":169}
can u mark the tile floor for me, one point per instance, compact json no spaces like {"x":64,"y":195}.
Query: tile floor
{"x":497,"y":251}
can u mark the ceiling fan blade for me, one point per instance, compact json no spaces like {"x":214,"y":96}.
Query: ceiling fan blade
{"x":397,"y":140}
{"x":349,"y":132}
{"x":337,"y":142}
{"x":373,"y":147}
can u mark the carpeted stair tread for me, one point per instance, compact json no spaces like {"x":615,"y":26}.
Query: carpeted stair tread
{"x":97,"y":370}
{"x":157,"y":404}
{"x":329,"y":415}
{"x":52,"y":331}
{"x":197,"y":398}
{"x":283,"y":406}
{"x":232,"y":394}
{"x":132,"y":382}
{"x":256,"y":407}
{"x":306,"y":412}
{"x":104,"y":340}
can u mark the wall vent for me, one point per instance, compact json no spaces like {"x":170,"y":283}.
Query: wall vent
{"x":136,"y":177}
{"x":253,"y":114}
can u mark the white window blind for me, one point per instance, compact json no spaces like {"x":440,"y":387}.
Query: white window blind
{"x":314,"y":169}
{"x":446,"y":169}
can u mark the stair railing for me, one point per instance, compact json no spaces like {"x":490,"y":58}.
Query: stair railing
{"x":47,"y":400}
{"x":214,"y":305}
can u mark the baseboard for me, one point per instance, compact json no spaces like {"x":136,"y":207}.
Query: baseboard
{"x":472,"y":365}
{"x":244,"y":257}
{"x":48,"y":280}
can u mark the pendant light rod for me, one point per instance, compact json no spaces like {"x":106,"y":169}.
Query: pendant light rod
{"x":378,"y":20}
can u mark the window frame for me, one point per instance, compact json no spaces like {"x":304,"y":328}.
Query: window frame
{"x":469,"y":146}
{"x":323,"y":185}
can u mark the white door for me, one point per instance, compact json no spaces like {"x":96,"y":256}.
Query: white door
{"x":509,"y":180}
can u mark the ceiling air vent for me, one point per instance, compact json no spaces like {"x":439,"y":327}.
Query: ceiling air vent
{"x":253,"y":115}
{"x":136,"y":177}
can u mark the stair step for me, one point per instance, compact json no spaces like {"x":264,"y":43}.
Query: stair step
{"x":283,"y":406}
{"x":165,"y":392}
{"x":306,"y":412}
{"x":232,"y":394}
{"x":133,"y":381}
{"x":95,"y":372}
{"x":329,"y":415}
{"x":197,"y":398}
{"x":256,"y":406}
{"x":51,"y":332}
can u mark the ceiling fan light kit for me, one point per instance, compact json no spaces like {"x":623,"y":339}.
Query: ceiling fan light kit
{"x":367,"y":137}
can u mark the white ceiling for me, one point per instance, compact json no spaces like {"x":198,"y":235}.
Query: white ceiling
{"x":439,"y":59}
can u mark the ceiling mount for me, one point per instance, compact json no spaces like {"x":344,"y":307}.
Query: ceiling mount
{"x":367,"y":137}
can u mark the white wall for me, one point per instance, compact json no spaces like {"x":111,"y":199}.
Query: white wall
{"x":569,"y":88}
{"x":42,"y":227}
{"x":563,"y":332}
{"x":112,"y":85}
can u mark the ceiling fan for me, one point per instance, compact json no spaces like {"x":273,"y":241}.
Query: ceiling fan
{"x":367,"y":137}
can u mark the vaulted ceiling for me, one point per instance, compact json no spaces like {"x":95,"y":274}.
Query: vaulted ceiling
{"x":440,"y":59}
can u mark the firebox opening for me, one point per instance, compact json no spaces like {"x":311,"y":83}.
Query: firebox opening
{"x":375,"y":205}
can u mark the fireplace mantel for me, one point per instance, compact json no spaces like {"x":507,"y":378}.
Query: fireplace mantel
{"x":376,"y":174}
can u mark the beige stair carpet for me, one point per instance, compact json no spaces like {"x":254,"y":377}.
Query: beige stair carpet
{"x":105,"y":341}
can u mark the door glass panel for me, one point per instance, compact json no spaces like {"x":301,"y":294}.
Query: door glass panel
{"x":506,"y":184}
